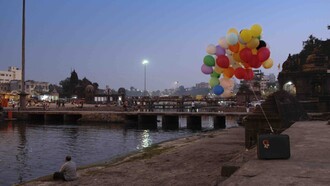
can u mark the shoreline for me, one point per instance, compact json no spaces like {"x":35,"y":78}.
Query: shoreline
{"x":135,"y":166}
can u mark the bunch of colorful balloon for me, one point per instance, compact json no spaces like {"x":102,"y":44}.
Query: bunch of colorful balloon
{"x":235,"y":56}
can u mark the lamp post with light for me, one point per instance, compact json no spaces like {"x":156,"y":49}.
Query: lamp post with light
{"x":145,"y":62}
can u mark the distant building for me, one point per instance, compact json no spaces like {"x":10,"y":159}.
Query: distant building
{"x":15,"y":85}
{"x":264,"y":83}
{"x":36,"y":87}
{"x":255,"y":82}
{"x":4,"y":87}
{"x":13,"y":73}
{"x":202,"y":85}
{"x":272,"y":78}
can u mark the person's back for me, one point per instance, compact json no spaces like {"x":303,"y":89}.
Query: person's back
{"x":69,"y":170}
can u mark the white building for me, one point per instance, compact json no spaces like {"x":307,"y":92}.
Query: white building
{"x":31,"y":87}
{"x":36,"y":87}
{"x":13,"y":73}
{"x":263,"y":83}
{"x":272,"y":78}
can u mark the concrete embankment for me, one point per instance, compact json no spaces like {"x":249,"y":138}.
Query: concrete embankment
{"x":309,"y":163}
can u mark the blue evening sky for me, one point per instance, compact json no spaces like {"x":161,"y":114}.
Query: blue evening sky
{"x":107,"y":40}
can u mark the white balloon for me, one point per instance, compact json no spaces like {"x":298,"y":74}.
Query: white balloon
{"x":211,"y":49}
{"x":226,"y":94}
{"x":231,"y":58}
{"x":223,"y":42}
{"x":227,"y":83}
{"x":228,"y":52}
{"x":235,"y":65}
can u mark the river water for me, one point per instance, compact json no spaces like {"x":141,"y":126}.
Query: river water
{"x":31,"y":150}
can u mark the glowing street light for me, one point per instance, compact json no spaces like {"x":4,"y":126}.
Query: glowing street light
{"x":145,"y":62}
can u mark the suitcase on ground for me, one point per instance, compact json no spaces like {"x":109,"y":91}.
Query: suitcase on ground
{"x":273,"y":146}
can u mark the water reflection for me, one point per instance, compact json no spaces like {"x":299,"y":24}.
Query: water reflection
{"x":33,"y":150}
{"x":22,"y":153}
{"x":145,"y":140}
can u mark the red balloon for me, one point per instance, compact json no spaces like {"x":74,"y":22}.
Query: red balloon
{"x":245,"y":54}
{"x":263,"y":54}
{"x":254,"y":62}
{"x":240,"y":73}
{"x":249,"y":74}
{"x":223,"y":61}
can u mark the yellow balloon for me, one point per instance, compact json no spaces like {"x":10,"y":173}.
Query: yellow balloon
{"x":241,"y":46}
{"x":245,"y":35}
{"x":254,"y":51}
{"x":256,"y":30}
{"x":217,"y":69}
{"x":236,"y":57}
{"x":254,"y":43}
{"x":268,"y":63}
{"x":232,"y":30}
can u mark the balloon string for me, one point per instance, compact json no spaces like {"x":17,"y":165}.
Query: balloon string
{"x":262,"y":110}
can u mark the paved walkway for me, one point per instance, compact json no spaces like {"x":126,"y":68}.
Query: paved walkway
{"x":309,"y":163}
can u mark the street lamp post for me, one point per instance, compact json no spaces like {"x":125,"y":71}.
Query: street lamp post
{"x":145,"y":62}
{"x":23,"y":94}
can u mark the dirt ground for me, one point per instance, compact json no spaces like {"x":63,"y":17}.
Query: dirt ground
{"x":194,"y":160}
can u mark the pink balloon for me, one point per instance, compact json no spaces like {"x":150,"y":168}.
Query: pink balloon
{"x":206,"y":69}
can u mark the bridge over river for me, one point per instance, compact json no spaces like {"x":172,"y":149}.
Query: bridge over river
{"x":144,"y":120}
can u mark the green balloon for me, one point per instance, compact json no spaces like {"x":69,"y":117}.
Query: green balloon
{"x":215,"y":74}
{"x":214,"y":81}
{"x":209,"y":60}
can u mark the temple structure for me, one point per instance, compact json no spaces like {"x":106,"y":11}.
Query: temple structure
{"x":309,"y":82}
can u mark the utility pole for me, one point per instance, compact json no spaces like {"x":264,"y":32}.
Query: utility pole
{"x":23,"y":94}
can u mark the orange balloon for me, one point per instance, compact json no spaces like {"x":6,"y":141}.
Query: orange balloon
{"x":234,"y":48}
{"x":236,"y":57}
{"x":228,"y":72}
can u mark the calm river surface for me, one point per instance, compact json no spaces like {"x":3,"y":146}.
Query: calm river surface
{"x":31,"y":150}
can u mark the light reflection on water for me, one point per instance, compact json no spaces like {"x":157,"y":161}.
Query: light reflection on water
{"x":30,"y":150}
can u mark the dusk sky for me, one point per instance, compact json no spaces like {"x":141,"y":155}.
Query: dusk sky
{"x":107,"y":40}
